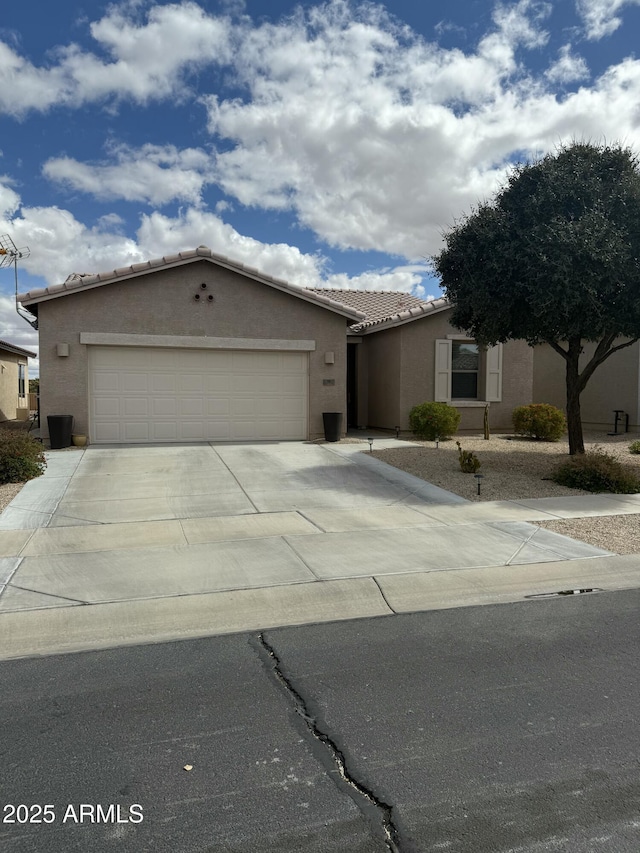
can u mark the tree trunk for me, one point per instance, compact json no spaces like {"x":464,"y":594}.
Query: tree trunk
{"x":574,"y":387}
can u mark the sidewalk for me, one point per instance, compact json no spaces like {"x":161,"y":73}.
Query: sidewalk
{"x":364,"y":539}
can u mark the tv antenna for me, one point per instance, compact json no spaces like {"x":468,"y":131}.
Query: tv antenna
{"x":9,"y":256}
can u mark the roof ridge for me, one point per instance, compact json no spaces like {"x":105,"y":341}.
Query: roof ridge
{"x":79,"y":281}
{"x":412,"y":313}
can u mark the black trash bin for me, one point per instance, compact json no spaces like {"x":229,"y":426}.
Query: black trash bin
{"x":60,"y":427}
{"x":332,"y":425}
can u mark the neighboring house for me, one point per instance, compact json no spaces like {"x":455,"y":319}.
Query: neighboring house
{"x":14,"y":381}
{"x":197,"y":347}
{"x":613,"y":385}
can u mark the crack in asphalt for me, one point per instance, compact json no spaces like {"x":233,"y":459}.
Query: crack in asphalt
{"x":376,"y":811}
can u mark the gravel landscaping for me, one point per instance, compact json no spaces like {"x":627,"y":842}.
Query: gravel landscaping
{"x":515,"y":468}
{"x":8,"y":493}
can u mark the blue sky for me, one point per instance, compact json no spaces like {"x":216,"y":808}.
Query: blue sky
{"x":326,"y":143}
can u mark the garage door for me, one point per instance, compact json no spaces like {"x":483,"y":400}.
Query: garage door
{"x":140,"y":394}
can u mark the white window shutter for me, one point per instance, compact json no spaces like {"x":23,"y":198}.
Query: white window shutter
{"x":494,"y":374}
{"x":443,"y":372}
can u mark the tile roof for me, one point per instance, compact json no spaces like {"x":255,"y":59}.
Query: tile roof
{"x":384,"y":309}
{"x":368,"y":310}
{"x":86,"y":281}
{"x":5,"y":345}
{"x":375,"y":304}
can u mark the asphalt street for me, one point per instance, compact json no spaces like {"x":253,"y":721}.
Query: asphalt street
{"x":476,"y":730}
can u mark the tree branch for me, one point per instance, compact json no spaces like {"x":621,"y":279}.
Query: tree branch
{"x":602,"y":353}
{"x":557,"y":348}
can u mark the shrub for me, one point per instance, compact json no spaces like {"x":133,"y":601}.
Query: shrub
{"x":634,"y":447}
{"x":21,"y":457}
{"x":469,"y":462}
{"x":434,"y":420}
{"x":596,"y":471}
{"x":539,"y":420}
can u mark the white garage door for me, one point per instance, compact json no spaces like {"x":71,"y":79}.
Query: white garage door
{"x":142,"y":394}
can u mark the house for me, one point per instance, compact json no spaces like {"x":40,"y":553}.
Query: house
{"x":14,"y":381}
{"x":196,"y":346}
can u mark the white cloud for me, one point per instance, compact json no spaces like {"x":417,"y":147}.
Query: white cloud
{"x":9,"y":199}
{"x":160,"y":234}
{"x":60,"y":245}
{"x":568,"y":68}
{"x":376,"y":139}
{"x":371,"y":136}
{"x":152,"y":173}
{"x":146,"y":60}
{"x":600,"y":17}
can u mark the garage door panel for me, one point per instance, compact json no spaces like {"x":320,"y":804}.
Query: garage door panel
{"x":196,"y":395}
{"x":218,"y":431}
{"x":243,"y":407}
{"x":163,"y":383}
{"x":248,"y":362}
{"x":162,"y":359}
{"x":191,"y":407}
{"x":297,"y":362}
{"x":106,"y":381}
{"x":135,"y":431}
{"x":244,"y":430}
{"x":164,"y":431}
{"x":292,"y":407}
{"x":193,"y":383}
{"x":134,"y":383}
{"x":216,"y":383}
{"x":107,"y":432}
{"x":164,"y":407}
{"x":220,"y":407}
{"x":295,"y":385}
{"x":106,"y":407}
{"x":135,"y":407}
{"x":193,"y":430}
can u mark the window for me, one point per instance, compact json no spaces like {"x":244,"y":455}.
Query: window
{"x":465,"y":364}
{"x":466,"y":372}
{"x":21,"y":380}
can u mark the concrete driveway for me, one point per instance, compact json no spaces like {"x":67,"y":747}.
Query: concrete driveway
{"x":116,"y":545}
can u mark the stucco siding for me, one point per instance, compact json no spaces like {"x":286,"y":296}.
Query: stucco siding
{"x":163,"y":303}
{"x":384,"y":373}
{"x":517,"y":384}
{"x":613,"y":385}
{"x":418,"y":372}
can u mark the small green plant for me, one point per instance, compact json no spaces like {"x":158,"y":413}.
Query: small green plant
{"x":596,"y":471}
{"x":540,"y":421}
{"x":434,"y":420}
{"x":21,"y":457}
{"x":634,"y":447}
{"x":469,"y":462}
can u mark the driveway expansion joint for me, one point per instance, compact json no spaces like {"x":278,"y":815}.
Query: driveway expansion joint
{"x":49,"y":594}
{"x":376,"y":811}
{"x":240,"y":486}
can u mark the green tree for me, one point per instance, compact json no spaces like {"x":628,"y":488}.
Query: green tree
{"x":555,"y":259}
